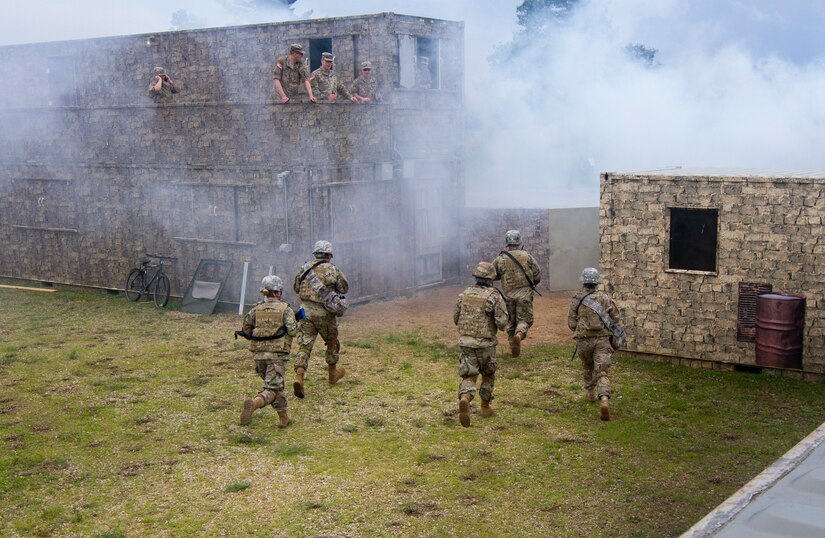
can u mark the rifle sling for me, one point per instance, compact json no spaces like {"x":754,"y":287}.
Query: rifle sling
{"x":518,"y":263}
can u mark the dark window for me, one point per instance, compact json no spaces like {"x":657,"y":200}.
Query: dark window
{"x":693,"y":234}
{"x":316,"y":47}
{"x":62,"y":90}
{"x":428,"y":48}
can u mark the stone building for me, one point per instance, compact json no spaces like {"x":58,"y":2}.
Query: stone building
{"x":685,"y":253}
{"x":94,"y":174}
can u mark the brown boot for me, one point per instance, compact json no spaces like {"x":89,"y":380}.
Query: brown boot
{"x":604,"y":409}
{"x":464,"y":410}
{"x":515,"y":345}
{"x":249,"y":407}
{"x":335,"y":374}
{"x":283,"y":419}
{"x":298,"y":385}
{"x":486,"y":410}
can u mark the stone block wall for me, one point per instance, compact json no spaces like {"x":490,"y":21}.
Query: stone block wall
{"x":769,"y":231}
{"x":93,"y":174}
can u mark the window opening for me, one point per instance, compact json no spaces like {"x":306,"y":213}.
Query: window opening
{"x":428,"y":48}
{"x":316,"y":48}
{"x":693,"y":239}
{"x":411,"y":53}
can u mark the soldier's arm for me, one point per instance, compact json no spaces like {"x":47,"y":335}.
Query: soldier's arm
{"x":536,"y":269}
{"x":296,"y":283}
{"x":342,"y":89}
{"x":500,"y":313}
{"x":613,"y":311}
{"x":573,"y":314}
{"x":248,"y":322}
{"x":341,"y":283}
{"x":497,"y":264}
{"x":290,"y":322}
{"x":457,"y":310}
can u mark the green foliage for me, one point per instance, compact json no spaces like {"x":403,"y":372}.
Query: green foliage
{"x":236,"y":486}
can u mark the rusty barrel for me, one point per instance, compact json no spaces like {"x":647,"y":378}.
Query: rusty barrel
{"x":779,"y":323}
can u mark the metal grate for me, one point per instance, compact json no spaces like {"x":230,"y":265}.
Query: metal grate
{"x":746,"y":317}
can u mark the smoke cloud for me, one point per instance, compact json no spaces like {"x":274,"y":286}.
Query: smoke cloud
{"x":732,"y":84}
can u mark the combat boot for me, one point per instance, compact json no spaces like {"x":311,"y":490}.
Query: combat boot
{"x":335,"y":374}
{"x":249,"y":407}
{"x":591,"y":395}
{"x":486,"y":410}
{"x":515,"y":345}
{"x":283,"y":419}
{"x":604,"y":408}
{"x":464,"y":410}
{"x":298,"y":385}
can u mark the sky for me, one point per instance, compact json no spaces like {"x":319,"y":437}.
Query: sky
{"x":734,"y":83}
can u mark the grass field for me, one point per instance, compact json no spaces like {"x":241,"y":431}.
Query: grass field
{"x":118,"y":419}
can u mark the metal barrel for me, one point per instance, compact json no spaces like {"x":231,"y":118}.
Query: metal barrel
{"x":779,"y":323}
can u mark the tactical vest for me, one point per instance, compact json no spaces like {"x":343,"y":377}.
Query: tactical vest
{"x":590,"y":324}
{"x":305,"y":291}
{"x":269,"y":316}
{"x":473,"y":320}
{"x":513,"y":277}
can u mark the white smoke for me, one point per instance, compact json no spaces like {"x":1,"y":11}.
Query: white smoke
{"x":736,"y":84}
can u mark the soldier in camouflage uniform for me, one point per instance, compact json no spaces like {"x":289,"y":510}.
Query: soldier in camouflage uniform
{"x":365,"y":87}
{"x":263,"y":320}
{"x":518,"y":288}
{"x":317,"y":320}
{"x":423,"y":77}
{"x":325,"y":84}
{"x":479,"y":312}
{"x":162,"y":87}
{"x":593,"y":338}
{"x":291,"y":74}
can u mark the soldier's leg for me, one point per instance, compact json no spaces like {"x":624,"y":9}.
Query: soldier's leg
{"x":306,"y":340}
{"x":273,"y":391}
{"x":602,"y":356}
{"x":511,"y":316}
{"x":468,"y":370}
{"x":328,"y":329}
{"x":488,"y":366}
{"x":585,"y":350}
{"x":524,"y":315}
{"x":250,"y":405}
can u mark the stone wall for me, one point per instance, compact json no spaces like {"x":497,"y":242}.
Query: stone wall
{"x":769,"y":231}
{"x":93,"y":174}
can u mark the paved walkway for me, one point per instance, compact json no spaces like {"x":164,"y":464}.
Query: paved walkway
{"x":787,"y":499}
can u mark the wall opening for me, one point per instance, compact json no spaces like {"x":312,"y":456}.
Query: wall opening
{"x":316,"y":48}
{"x":693,"y":239}
{"x":417,"y":56}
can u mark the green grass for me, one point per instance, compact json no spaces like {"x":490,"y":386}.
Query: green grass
{"x":131,"y":414}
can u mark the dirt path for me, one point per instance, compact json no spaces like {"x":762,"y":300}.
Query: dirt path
{"x":431,"y":311}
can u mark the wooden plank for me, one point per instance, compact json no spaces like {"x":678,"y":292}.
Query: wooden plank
{"x":47,"y":290}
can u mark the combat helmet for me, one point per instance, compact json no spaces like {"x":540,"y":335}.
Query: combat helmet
{"x":590,"y":275}
{"x":272,"y":283}
{"x":321,"y":248}
{"x":513,"y":238}
{"x":485,"y":270}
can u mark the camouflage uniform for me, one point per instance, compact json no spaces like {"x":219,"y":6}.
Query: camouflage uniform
{"x":479,"y":311}
{"x":167,"y":88}
{"x":264,"y":319}
{"x":318,"y":320}
{"x":593,"y":339}
{"x":365,"y":87}
{"x":325,"y":82}
{"x":517,"y":288}
{"x":292,"y":76}
{"x":423,"y":77}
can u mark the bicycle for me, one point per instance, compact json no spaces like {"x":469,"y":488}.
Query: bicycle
{"x":138,"y":283}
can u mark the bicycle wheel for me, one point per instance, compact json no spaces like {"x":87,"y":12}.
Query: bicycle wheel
{"x":161,"y":291}
{"x":135,"y":284}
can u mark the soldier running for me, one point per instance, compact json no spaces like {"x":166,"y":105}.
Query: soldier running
{"x":519,"y":273}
